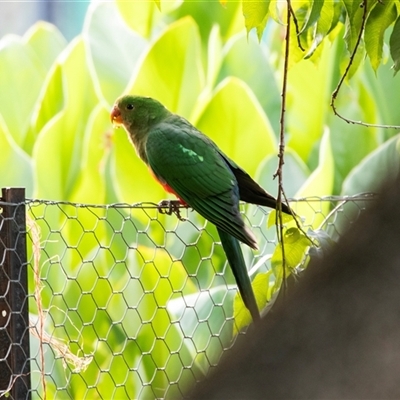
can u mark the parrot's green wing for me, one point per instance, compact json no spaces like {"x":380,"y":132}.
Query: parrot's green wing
{"x":191,"y":164}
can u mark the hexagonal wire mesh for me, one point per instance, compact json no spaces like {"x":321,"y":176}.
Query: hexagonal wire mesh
{"x":129,"y":303}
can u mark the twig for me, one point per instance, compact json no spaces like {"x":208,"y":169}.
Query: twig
{"x":346,"y":72}
{"x":296,"y":24}
{"x":279,"y":172}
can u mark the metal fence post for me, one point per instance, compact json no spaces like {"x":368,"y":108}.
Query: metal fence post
{"x":14,"y":317}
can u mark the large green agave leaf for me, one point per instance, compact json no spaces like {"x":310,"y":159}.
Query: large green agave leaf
{"x":113,"y":50}
{"x":176,"y":79}
{"x":58,"y":148}
{"x":234,"y":119}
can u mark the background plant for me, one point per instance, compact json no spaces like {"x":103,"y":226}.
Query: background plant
{"x":197,"y":59}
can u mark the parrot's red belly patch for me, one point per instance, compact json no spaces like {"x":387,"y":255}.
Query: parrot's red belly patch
{"x":166,"y":187}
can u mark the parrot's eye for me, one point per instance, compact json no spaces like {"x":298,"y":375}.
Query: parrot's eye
{"x":129,"y":106}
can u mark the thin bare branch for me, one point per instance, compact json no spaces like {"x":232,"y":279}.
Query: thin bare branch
{"x":296,"y":24}
{"x":279,"y":172}
{"x":346,"y":72}
{"x":352,"y":56}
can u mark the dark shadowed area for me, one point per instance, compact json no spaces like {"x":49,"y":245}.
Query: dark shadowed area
{"x":336,"y":334}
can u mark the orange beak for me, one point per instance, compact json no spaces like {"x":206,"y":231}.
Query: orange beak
{"x":115,"y":116}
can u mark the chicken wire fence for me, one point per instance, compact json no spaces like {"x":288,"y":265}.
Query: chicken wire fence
{"x":123,"y":301}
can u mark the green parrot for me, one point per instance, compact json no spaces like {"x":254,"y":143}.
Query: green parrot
{"x":191,"y":166}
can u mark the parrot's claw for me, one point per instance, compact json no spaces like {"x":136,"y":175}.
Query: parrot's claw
{"x":170,"y":207}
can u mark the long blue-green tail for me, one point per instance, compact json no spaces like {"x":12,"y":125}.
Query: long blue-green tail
{"x":236,"y":260}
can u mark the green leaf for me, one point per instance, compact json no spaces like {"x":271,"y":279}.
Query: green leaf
{"x":295,"y":173}
{"x":380,"y":165}
{"x":142,"y":16}
{"x":209,"y":14}
{"x":175,"y":81}
{"x":314,"y":14}
{"x":78,"y":107}
{"x":262,"y":294}
{"x":20,"y":69}
{"x":272,"y":218}
{"x":379,"y":19}
{"x":162,"y":277}
{"x":91,"y":186}
{"x":51,"y":101}
{"x":382,"y":99}
{"x":235,"y":121}
{"x":131,"y":178}
{"x":258,"y":74}
{"x":295,"y":245}
{"x":309,"y":90}
{"x":255,"y":14}
{"x":111,"y":69}
{"x":353,"y":26}
{"x":351,"y":7}
{"x":395,"y":46}
{"x":351,"y":145}
{"x":319,"y":183}
{"x":51,"y":154}
{"x":354,"y":22}
{"x":214,"y":59}
{"x":188,"y":311}
{"x":323,"y":26}
{"x":296,"y":52}
{"x":275,"y":12}
{"x":15,"y":164}
{"x":46,"y":41}
{"x":57,"y":150}
{"x":139,"y":15}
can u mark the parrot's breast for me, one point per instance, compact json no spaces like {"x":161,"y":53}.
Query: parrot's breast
{"x":166,"y":187}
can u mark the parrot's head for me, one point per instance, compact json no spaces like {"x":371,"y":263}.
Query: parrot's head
{"x":137,"y":114}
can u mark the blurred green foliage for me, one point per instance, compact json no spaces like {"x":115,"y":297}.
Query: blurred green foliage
{"x":56,"y":140}
{"x":58,"y":131}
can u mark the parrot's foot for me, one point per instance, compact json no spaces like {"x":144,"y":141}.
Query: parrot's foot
{"x":170,"y":207}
